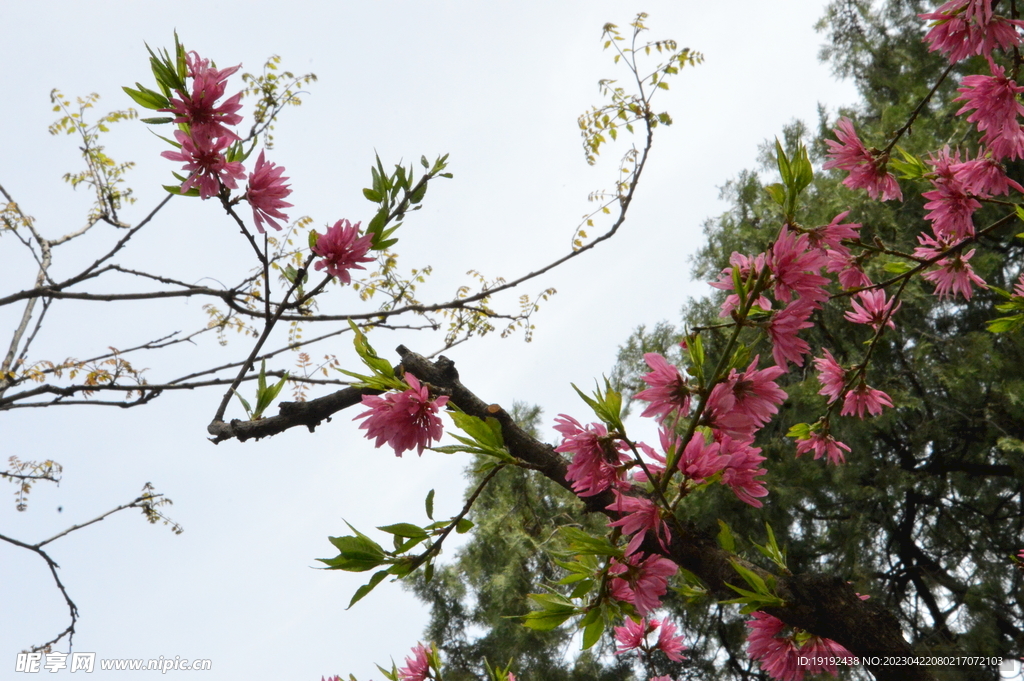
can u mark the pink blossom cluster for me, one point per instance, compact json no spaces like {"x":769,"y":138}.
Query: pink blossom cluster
{"x":404,"y":420}
{"x":342,"y":249}
{"x":964,"y":28}
{"x":833,"y":378}
{"x":640,"y":635}
{"x":780,"y":655}
{"x":417,"y":665}
{"x":204,"y":139}
{"x":866,"y":167}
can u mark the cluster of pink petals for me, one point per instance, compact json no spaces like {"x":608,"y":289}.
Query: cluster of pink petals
{"x":637,"y":517}
{"x":872,"y":307}
{"x":641,"y":582}
{"x":746,"y":266}
{"x":968,"y":27}
{"x":851,"y":276}
{"x":823,"y":444}
{"x":417,"y":665}
{"x":205,"y":143}
{"x":984,"y":176}
{"x":996,"y":110}
{"x":795,"y":267}
{"x":405,"y":420}
{"x":865,"y":398}
{"x":866,"y":168}
{"x":668,"y":392}
{"x":266,"y":193}
{"x":951,"y":206}
{"x":780,"y":655}
{"x":741,"y":470}
{"x":206,"y":164}
{"x":1018,"y":289}
{"x":700,"y":459}
{"x":952,"y":275}
{"x":634,"y":636}
{"x":783,"y":331}
{"x":744,"y":402}
{"x":832,"y":376}
{"x":590,"y":471}
{"x":342,"y":249}
{"x":199,"y":109}
{"x":830,"y":237}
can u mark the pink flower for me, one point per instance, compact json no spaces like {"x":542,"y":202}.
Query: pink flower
{"x":951,"y":209}
{"x":205,"y":162}
{"x":830,"y":236}
{"x":668,"y":392}
{"x":832,"y":376}
{"x":669,"y":643}
{"x":342,"y":249}
{"x":634,"y":636}
{"x":744,"y":402}
{"x":741,"y":470}
{"x":699,"y":459}
{"x":866,"y":168}
{"x":591,"y":470}
{"x":199,"y":109}
{"x":779,"y":655}
{"x":954,"y":275}
{"x":822,"y":444}
{"x":994,"y":99}
{"x":850,"y":273}
{"x":336,"y":677}
{"x":746,"y":268}
{"x":795,"y":266}
{"x":266,"y":193}
{"x":405,"y":420}
{"x":865,"y":398}
{"x":631,"y":636}
{"x":871,"y":307}
{"x":783,"y":330}
{"x":417,"y":665}
{"x":1018,"y":290}
{"x":967,"y":27}
{"x":641,"y":582}
{"x":637,"y":516}
{"x":984,"y":177}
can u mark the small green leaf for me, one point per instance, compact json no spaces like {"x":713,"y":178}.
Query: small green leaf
{"x":592,"y":633}
{"x":377,"y":578}
{"x":898,"y":267}
{"x":430,"y":501}
{"x":725,"y":538}
{"x":405,"y":530}
{"x":372,"y":195}
{"x":463,"y":526}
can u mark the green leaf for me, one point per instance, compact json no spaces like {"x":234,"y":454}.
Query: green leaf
{"x":546,"y":620}
{"x":418,"y":195}
{"x":157,"y":121}
{"x":176,"y":190}
{"x":377,"y":578}
{"x":429,"y":502}
{"x":592,"y":633}
{"x":372,"y":195}
{"x":777,"y":192}
{"x":463,"y":526}
{"x":147,"y":98}
{"x":898,"y":267}
{"x":725,"y":538}
{"x":800,"y":431}
{"x":405,"y":530}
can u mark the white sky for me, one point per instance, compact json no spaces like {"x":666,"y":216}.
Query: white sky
{"x":496,"y":85}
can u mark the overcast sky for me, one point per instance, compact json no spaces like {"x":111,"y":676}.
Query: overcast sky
{"x":497,"y":85}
